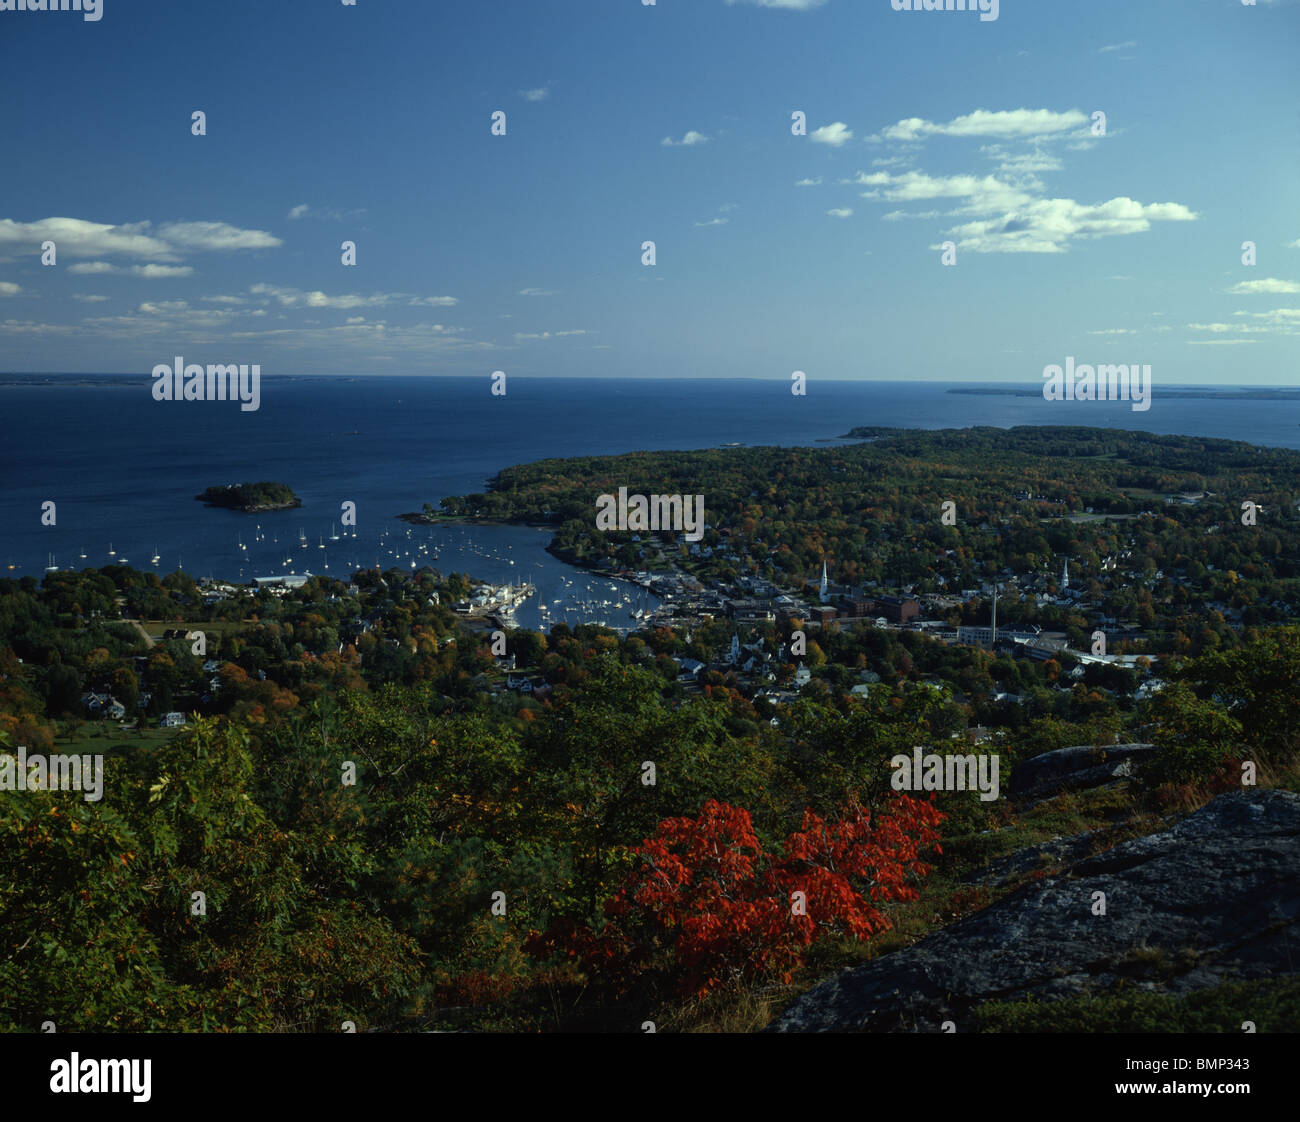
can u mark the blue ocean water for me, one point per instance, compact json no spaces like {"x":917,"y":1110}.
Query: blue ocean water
{"x":124,"y":468}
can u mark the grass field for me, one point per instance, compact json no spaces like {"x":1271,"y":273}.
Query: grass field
{"x":93,"y":737}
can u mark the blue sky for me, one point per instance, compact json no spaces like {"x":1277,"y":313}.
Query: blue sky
{"x":670,"y":123}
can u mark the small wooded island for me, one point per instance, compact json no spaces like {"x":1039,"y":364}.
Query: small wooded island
{"x":250,"y":497}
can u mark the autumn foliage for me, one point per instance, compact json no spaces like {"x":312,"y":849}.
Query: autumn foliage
{"x":705,"y":902}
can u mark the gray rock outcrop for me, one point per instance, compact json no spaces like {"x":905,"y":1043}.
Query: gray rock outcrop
{"x":1214,"y":899}
{"x":1076,"y":768}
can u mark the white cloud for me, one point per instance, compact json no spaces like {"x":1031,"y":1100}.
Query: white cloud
{"x":333,"y":214}
{"x":154,"y":272}
{"x":76,"y":237}
{"x":1009,"y":219}
{"x":836,"y":135}
{"x":899,"y":215}
{"x":1279,"y":321}
{"x":535,"y":292}
{"x":8,"y":288}
{"x":1114,"y":331}
{"x":297,"y":297}
{"x":810,"y":182}
{"x":1014,"y":123}
{"x":1269,"y":286}
{"x":788,"y":5}
{"x":714,"y":222}
{"x":224,"y":299}
{"x":29,"y":327}
{"x":91,"y":298}
{"x":691,"y":139}
{"x":523,"y":336}
{"x":1117,"y":47}
{"x":1026,"y":164}
{"x":216,"y":236}
{"x":1048,"y":225}
{"x":539,"y":94}
{"x":149,"y":272}
{"x":841,"y":212}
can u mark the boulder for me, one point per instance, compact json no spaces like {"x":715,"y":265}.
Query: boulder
{"x":1076,"y":768}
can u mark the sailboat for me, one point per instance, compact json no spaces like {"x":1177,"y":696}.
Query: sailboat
{"x":302,"y":538}
{"x":51,"y":567}
{"x":83,"y":552}
{"x":240,"y":539}
{"x":334,"y":533}
{"x":322,"y":543}
{"x":111,"y":551}
{"x":156,"y":556}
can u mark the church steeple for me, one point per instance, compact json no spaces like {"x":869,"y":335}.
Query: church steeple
{"x":825,"y":589}
{"x":1065,"y":575}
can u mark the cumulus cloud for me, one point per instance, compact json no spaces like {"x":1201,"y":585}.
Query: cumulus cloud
{"x":8,"y":288}
{"x":154,"y":272}
{"x":539,"y":94}
{"x":841,"y":212}
{"x":1010,"y":124}
{"x":691,"y":139}
{"x":1010,"y":219}
{"x":76,"y":237}
{"x":1048,"y":225}
{"x":89,"y":298}
{"x":810,"y":182}
{"x":836,"y":135}
{"x":1269,"y":286}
